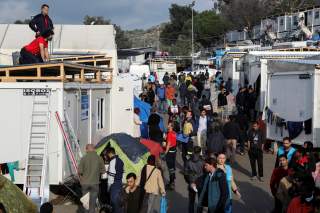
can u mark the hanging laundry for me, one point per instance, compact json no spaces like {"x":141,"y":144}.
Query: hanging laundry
{"x":308,"y":126}
{"x":294,"y":129}
{"x":11,"y":167}
{"x":4,"y":169}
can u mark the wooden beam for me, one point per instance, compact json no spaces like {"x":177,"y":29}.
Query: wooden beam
{"x":7,"y":73}
{"x":13,"y":79}
{"x":82,"y":78}
{"x":98,"y":76}
{"x":38,"y":72}
{"x":62,"y":72}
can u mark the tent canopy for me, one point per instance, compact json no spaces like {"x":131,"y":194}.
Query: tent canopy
{"x":133,"y":154}
{"x":13,"y":199}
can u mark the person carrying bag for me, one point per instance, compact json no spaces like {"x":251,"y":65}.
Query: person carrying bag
{"x":152,"y":186}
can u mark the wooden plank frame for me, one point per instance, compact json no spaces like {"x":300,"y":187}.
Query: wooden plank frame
{"x":79,"y":57}
{"x":63,"y":71}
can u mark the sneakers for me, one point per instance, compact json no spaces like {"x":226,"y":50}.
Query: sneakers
{"x":170,"y":187}
{"x":261,"y":179}
{"x":254,"y":178}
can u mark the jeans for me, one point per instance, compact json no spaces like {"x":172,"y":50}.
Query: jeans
{"x":153,"y":203}
{"x":202,"y":139}
{"x":192,"y":200}
{"x":28,"y":58}
{"x":115,"y":193}
{"x":187,"y":149}
{"x":183,"y":99}
{"x":162,"y":105}
{"x":93,"y":190}
{"x":228,"y":208}
{"x":231,"y":149}
{"x":256,"y":156}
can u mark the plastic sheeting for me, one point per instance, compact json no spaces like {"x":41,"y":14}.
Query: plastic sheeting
{"x":129,"y":145}
{"x":13,"y":199}
{"x":144,"y":109}
{"x":154,"y":147}
{"x":133,"y":154}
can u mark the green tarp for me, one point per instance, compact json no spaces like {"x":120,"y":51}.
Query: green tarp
{"x":129,"y":166}
{"x":13,"y":199}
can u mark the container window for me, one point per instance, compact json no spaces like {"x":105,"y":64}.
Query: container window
{"x":295,"y":21}
{"x":316,"y":15}
{"x":281,"y":22}
{"x":100,"y":113}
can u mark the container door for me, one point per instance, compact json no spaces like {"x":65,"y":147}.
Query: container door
{"x":122,"y":104}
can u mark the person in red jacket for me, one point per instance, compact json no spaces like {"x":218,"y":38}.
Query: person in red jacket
{"x":305,"y":203}
{"x":277,"y":175}
{"x":37,"y":50}
{"x":171,"y":152}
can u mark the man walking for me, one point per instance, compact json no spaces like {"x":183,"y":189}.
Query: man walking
{"x":90,"y":168}
{"x":161,"y":93}
{"x":192,"y":171}
{"x":41,"y":22}
{"x":202,"y":129}
{"x":286,"y":149}
{"x":231,"y":131}
{"x":214,"y":193}
{"x":114,"y":176}
{"x":277,"y":175}
{"x":255,"y":143}
{"x":132,"y":195}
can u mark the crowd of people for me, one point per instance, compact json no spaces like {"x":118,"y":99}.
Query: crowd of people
{"x":184,"y":120}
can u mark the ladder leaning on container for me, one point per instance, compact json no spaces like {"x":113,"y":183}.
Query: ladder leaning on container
{"x":68,"y":143}
{"x":36,"y":183}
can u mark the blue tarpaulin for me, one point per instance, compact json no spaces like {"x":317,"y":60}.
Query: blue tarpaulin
{"x":144,"y":109}
{"x":144,"y":115}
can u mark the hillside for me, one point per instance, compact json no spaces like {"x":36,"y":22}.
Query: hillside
{"x":144,"y":38}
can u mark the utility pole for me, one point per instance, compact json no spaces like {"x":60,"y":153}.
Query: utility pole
{"x":192,"y":36}
{"x":158,"y":43}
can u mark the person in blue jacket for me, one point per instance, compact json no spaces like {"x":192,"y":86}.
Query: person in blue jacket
{"x":161,"y":93}
{"x":214,"y":192}
{"x":285,"y":149}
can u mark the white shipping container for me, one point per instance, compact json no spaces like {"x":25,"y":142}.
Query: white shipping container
{"x":87,"y":106}
{"x":292,"y":94}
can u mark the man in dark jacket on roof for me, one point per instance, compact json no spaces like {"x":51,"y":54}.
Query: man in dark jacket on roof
{"x":192,"y":171}
{"x":41,"y":22}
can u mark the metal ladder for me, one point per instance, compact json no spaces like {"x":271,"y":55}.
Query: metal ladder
{"x":72,"y":137}
{"x":36,"y":183}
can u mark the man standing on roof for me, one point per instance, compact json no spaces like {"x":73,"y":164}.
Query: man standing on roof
{"x":41,"y":22}
{"x":37,"y":50}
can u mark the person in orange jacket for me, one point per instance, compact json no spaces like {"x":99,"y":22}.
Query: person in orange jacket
{"x":170,"y":94}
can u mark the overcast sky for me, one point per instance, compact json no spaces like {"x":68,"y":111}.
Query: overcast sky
{"x":129,"y":14}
